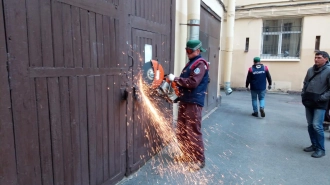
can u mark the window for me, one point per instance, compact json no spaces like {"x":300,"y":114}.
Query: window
{"x":247,"y":42}
{"x":281,"y":39}
{"x":317,"y":43}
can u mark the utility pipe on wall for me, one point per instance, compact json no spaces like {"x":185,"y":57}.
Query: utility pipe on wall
{"x":228,"y":58}
{"x":193,"y":19}
{"x":194,"y":14}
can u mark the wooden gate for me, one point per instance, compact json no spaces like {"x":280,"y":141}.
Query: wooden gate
{"x":66,"y":122}
{"x":152,"y":31}
{"x":210,"y":37}
{"x":64,"y":68}
{"x":7,"y":151}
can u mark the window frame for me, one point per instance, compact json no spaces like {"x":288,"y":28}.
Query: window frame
{"x":280,"y":34}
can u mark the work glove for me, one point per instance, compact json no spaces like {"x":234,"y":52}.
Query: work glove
{"x":269,"y":87}
{"x":171,"y":77}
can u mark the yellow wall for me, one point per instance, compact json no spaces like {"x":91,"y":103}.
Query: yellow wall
{"x":286,"y":75}
{"x":181,"y":33}
{"x":180,"y":36}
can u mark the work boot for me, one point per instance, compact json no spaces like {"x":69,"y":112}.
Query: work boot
{"x":318,"y":154}
{"x":262,"y":112}
{"x":255,"y":114}
{"x":310,"y":149}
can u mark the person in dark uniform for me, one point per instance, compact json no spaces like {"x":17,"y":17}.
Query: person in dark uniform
{"x":256,"y":78}
{"x":192,"y":85}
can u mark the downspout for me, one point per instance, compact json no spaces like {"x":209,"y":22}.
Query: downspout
{"x":194,"y":12}
{"x":193,"y":24}
{"x":228,"y":58}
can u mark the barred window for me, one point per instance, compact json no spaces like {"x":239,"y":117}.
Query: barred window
{"x":281,"y":39}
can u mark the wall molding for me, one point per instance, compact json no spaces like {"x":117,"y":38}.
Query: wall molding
{"x":285,"y":11}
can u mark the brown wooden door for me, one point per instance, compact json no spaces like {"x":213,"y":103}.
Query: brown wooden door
{"x":151,"y":25}
{"x":65,"y":72}
{"x":141,"y":146}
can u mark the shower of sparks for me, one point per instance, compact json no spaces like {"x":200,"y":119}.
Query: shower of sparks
{"x":161,"y":138}
{"x":161,"y":122}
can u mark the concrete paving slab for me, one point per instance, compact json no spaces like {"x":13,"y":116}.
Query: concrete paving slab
{"x":242,"y":149}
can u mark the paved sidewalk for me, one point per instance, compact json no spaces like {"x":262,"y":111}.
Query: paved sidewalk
{"x":241,"y":149}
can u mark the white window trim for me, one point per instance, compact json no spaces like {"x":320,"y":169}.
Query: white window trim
{"x":280,"y":33}
{"x":279,"y":60}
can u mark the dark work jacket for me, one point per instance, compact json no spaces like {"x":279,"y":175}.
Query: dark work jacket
{"x":316,"y":92}
{"x":194,"y":95}
{"x":257,"y":76}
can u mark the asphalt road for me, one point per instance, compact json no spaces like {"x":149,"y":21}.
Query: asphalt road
{"x":241,"y":149}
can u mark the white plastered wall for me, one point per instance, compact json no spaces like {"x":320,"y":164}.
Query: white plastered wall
{"x":181,"y":32}
{"x":286,"y":75}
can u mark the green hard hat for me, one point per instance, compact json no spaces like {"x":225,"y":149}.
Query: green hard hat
{"x":194,"y":45}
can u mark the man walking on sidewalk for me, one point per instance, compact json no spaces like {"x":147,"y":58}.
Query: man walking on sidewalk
{"x":256,"y":77}
{"x":315,"y":97}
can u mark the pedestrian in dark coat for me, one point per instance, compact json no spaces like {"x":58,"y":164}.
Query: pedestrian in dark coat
{"x":315,"y":97}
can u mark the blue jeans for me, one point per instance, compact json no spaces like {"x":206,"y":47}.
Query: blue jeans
{"x":255,"y":95}
{"x":315,"y":119}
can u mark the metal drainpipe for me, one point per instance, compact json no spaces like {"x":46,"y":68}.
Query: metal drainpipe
{"x":228,"y":58}
{"x":194,"y":11}
{"x":193,"y":23}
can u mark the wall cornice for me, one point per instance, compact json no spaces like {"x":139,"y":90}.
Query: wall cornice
{"x":284,"y":11}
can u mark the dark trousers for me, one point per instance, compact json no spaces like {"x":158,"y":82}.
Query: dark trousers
{"x":189,"y":132}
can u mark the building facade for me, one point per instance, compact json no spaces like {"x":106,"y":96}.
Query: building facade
{"x":285,"y":34}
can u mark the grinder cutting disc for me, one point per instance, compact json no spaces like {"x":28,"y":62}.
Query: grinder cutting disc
{"x":153,"y":73}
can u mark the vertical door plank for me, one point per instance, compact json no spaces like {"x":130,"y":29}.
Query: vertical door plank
{"x":92,"y":36}
{"x":86,"y":54}
{"x":82,"y":88}
{"x":113,"y":63}
{"x":104,"y":89}
{"x":163,"y":13}
{"x":7,"y":149}
{"x":66,"y":130}
{"x":99,"y":128}
{"x":67,"y":36}
{"x":44,"y":131}
{"x":159,"y":8}
{"x":116,"y":104}
{"x":118,"y":125}
{"x":91,"y":129}
{"x":34,"y":34}
{"x":123,"y":127}
{"x":99,"y":38}
{"x":106,"y":41}
{"x":150,"y":8}
{"x":56,"y":130}
{"x":142,"y":5}
{"x":57,"y":33}
{"x":137,"y":8}
{"x":168,"y":15}
{"x":116,"y":44}
{"x":77,"y":46}
{"x":75,"y":130}
{"x":111,"y":121}
{"x":46,"y":33}
{"x":22,"y":94}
